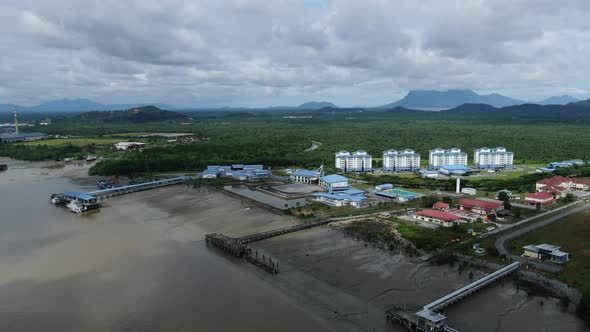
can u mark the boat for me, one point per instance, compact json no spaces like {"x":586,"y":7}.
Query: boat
{"x":67,"y":160}
{"x":91,"y":158}
{"x":79,"y":207}
{"x":3,"y":167}
{"x":57,"y":199}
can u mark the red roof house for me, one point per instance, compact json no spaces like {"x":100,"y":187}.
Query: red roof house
{"x":543,"y":198}
{"x":479,"y":206}
{"x":559,"y":184}
{"x":437,"y":217}
{"x":441,"y":206}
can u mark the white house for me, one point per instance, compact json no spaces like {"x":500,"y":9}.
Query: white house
{"x":546,"y":252}
{"x":486,"y":158}
{"x":440,"y":157}
{"x":358,"y":161}
{"x":401,"y":161}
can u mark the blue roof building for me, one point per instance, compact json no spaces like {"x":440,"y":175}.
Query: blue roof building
{"x":353,"y":198}
{"x":384,"y":186}
{"x":454,"y":170}
{"x":22,"y":137}
{"x":334,"y":182}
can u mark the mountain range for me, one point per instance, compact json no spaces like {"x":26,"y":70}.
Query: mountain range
{"x":434,"y":99}
{"x":415,"y":99}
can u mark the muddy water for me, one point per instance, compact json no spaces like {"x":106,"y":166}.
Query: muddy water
{"x":344,"y":280}
{"x":138,"y":264}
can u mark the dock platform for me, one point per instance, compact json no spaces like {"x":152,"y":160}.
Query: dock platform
{"x":428,"y":318}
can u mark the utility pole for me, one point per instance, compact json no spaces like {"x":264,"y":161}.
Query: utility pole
{"x":15,"y":120}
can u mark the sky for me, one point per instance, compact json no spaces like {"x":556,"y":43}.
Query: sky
{"x":263,"y":53}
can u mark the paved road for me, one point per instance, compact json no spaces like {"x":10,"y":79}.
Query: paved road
{"x":503,"y":241}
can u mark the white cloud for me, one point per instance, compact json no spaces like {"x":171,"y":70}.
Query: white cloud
{"x":257,"y":52}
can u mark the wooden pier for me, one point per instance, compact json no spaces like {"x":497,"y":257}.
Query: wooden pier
{"x":238,"y":246}
{"x":233,"y":247}
{"x":428,"y":318}
{"x":281,"y":231}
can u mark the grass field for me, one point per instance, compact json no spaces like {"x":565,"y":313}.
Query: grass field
{"x":73,"y":141}
{"x":573,"y":235}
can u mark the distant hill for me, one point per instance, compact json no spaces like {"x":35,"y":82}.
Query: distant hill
{"x":558,"y":100}
{"x":316,"y":105}
{"x":571,"y":111}
{"x":76,"y":105}
{"x":432,"y":99}
{"x":339,"y":110}
{"x":583,"y":103}
{"x":134,"y":115}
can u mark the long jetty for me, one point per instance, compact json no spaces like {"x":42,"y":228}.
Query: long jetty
{"x":429,"y":319}
{"x":238,"y":246}
{"x":111,"y":192}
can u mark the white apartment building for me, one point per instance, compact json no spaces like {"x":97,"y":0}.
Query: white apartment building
{"x":358,"y":161}
{"x":493,"y":158}
{"x":401,"y":161}
{"x":440,"y":157}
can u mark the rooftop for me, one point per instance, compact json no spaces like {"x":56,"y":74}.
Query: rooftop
{"x":438,"y":215}
{"x":456,"y":167}
{"x":333,"y":178}
{"x":304,"y":172}
{"x":9,"y":136}
{"x":479,"y":203}
{"x":540,"y":195}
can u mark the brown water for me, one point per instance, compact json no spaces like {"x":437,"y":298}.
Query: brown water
{"x":140,"y":264}
{"x":136,"y":265}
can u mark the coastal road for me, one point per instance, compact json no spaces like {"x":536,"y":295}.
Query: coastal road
{"x":502,"y":243}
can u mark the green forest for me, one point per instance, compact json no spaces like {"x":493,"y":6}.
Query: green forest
{"x":280,"y":138}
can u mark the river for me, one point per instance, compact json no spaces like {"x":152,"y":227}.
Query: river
{"x":123,"y":268}
{"x":140,"y":264}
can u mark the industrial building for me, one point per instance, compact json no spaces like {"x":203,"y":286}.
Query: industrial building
{"x":334,"y":182}
{"x":439,"y":157}
{"x":238,"y":172}
{"x":350,"y":197}
{"x":542,"y":198}
{"x":307,"y":176}
{"x":401,"y":161}
{"x":546,"y":252}
{"x":358,"y":161}
{"x":384,"y":186}
{"x":437,"y":217}
{"x":22,"y":137}
{"x":493,"y":158}
{"x":479,"y":206}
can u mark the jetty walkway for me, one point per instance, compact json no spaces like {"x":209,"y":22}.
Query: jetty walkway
{"x":428,"y":318}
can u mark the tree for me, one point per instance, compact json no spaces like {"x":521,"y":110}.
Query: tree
{"x":503,"y":196}
{"x":569,"y":198}
{"x":507,"y":205}
{"x":517,"y":212}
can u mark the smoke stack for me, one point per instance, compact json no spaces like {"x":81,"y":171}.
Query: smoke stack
{"x":458,"y":189}
{"x":15,"y":120}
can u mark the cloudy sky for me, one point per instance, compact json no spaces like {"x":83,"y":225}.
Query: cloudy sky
{"x":281,"y":52}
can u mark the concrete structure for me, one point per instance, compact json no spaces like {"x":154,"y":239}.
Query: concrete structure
{"x":542,"y":198}
{"x":469,"y":191}
{"x":559,"y":185}
{"x":439,"y":157}
{"x":129,"y":145}
{"x":401,"y":161}
{"x":384,"y":186}
{"x":358,"y":161}
{"x":437,"y":217}
{"x":479,"y":206}
{"x":351,"y":197}
{"x":546,"y":252}
{"x":334,"y":182}
{"x":494,"y":158}
{"x":429,"y":174}
{"x":22,"y":137}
